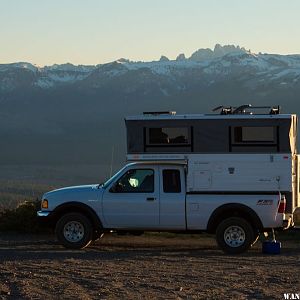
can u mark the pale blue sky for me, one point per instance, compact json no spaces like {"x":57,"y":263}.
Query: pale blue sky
{"x":97,"y":31}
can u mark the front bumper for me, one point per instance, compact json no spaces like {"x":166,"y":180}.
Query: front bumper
{"x":46,"y":218}
{"x":43,"y":214}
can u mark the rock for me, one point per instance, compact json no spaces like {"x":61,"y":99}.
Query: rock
{"x":163,"y":58}
{"x":180,"y":57}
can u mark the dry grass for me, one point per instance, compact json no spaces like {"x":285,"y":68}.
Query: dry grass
{"x":12,"y":193}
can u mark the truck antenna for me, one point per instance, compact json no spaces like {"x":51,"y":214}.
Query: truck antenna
{"x":112,"y":160}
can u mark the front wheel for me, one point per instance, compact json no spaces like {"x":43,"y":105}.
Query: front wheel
{"x":235,"y":235}
{"x":74,"y":231}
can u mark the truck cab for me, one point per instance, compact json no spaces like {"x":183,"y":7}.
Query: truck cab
{"x":146,"y":196}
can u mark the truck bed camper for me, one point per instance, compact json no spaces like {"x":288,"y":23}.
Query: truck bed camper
{"x":242,"y":150}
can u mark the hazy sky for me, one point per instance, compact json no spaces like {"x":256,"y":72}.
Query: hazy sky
{"x":97,"y":31}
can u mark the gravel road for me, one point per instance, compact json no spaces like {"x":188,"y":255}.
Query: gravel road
{"x":145,"y":267}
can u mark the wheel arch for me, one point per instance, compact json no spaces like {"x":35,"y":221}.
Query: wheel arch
{"x":233,"y":210}
{"x":78,"y":207}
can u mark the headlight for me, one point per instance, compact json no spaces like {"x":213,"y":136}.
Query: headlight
{"x":44,"y":204}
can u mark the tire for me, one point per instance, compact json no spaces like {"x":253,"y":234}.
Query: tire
{"x":235,"y":235}
{"x":74,"y":231}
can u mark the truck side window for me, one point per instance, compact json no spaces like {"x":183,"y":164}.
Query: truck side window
{"x":171,"y":181}
{"x":135,"y":181}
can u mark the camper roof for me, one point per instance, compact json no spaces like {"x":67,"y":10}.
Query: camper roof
{"x":206,"y":116}
{"x":245,"y":111}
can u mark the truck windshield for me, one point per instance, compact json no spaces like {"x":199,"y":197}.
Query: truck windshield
{"x":112,"y":179}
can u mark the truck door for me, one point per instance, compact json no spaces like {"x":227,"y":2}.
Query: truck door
{"x":172,"y":197}
{"x":132,"y":201}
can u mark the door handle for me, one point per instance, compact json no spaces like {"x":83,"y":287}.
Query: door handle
{"x":151,"y":199}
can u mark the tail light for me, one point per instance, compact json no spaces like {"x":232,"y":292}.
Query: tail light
{"x":282,"y":205}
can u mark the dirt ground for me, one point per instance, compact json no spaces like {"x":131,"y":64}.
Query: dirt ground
{"x":145,"y":267}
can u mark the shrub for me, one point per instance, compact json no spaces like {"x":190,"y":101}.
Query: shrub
{"x":22,"y":219}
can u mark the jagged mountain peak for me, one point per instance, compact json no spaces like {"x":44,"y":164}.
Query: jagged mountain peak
{"x":181,"y":57}
{"x":163,"y":58}
{"x":219,"y":51}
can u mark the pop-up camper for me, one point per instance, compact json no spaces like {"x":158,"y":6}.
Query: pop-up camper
{"x":237,"y":151}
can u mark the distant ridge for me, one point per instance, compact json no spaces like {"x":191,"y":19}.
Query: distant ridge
{"x":198,"y":55}
{"x":214,"y":62}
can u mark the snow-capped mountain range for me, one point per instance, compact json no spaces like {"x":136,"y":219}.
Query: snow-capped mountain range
{"x":205,"y":65}
{"x":74,"y":114}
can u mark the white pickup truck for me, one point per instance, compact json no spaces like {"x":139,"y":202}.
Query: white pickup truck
{"x":235,"y":175}
{"x":147,"y":196}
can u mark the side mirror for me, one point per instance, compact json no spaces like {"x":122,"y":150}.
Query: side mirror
{"x":116,"y":188}
{"x":113,"y":188}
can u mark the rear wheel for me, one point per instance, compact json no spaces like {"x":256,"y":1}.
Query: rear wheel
{"x":235,"y":235}
{"x":74,"y":231}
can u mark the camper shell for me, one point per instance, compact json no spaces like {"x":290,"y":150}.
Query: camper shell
{"x":237,"y":151}
{"x":168,"y":133}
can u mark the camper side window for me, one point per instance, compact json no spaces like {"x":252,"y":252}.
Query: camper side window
{"x":168,"y":136}
{"x":254,"y":138}
{"x":253,"y":134}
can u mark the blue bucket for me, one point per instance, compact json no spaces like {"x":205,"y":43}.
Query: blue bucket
{"x":271,"y":247}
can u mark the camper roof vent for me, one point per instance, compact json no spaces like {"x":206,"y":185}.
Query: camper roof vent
{"x":245,"y":109}
{"x":159,"y":113}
